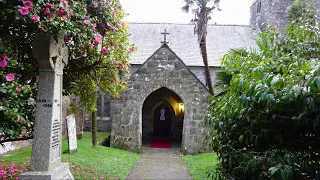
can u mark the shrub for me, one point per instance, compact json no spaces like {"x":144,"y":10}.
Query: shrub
{"x":266,"y":122}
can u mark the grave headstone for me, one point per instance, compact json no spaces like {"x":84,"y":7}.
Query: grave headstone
{"x":72,"y":134}
{"x":52,"y":56}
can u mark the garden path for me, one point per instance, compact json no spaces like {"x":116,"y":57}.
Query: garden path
{"x":159,"y":163}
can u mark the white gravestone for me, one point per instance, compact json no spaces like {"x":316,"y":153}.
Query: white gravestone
{"x":52,"y":56}
{"x":72,"y":133}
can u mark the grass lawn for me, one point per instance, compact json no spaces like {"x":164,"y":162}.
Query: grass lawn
{"x":88,"y":163}
{"x":199,"y":165}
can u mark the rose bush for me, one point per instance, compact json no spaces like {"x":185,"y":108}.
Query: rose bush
{"x":98,"y":53}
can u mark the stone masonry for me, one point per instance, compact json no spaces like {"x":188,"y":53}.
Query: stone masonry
{"x":162,"y":69}
{"x":272,"y":12}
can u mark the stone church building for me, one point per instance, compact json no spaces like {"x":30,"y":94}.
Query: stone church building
{"x":167,"y":95}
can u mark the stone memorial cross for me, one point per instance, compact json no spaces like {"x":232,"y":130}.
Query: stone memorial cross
{"x":52,"y":56}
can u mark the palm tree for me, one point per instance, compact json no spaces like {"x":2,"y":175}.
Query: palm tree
{"x":202,"y":16}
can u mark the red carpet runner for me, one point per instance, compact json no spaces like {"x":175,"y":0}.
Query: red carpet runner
{"x":160,"y":143}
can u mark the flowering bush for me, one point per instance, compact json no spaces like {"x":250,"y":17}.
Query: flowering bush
{"x":16,"y":99}
{"x":98,"y":53}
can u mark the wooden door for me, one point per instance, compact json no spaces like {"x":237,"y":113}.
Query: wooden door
{"x":162,"y":122}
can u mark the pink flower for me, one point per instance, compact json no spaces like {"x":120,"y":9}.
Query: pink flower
{"x":34,"y":18}
{"x":37,"y":76}
{"x":123,"y":24}
{"x":120,"y":65}
{"x":84,"y":54}
{"x":47,"y":11}
{"x":104,"y":50}
{"x":67,"y":37}
{"x":48,"y":6}
{"x":61,"y":11}
{"x":71,"y":13}
{"x":111,"y":80}
{"x":20,"y":121}
{"x":3,"y":63}
{"x":64,"y":9}
{"x":97,"y":39}
{"x":28,"y":3}
{"x":92,"y":46}
{"x":111,"y":43}
{"x":4,"y":56}
{"x":85,"y":10}
{"x":24,"y":11}
{"x":41,"y":29}
{"x":94,"y":27}
{"x":10,"y":77}
{"x":18,"y":89}
{"x":93,"y":5}
{"x":86,"y":21}
{"x":132,"y":49}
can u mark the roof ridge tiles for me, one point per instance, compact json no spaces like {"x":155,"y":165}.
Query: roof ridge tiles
{"x":135,"y":22}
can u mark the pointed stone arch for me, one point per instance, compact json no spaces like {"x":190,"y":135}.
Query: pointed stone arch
{"x":166,"y":98}
{"x":162,"y":70}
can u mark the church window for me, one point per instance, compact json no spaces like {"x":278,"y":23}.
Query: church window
{"x":103,"y":105}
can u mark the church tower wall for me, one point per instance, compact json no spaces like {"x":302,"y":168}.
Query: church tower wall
{"x":272,"y":12}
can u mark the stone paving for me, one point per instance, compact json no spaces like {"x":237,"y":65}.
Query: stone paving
{"x":159,"y":164}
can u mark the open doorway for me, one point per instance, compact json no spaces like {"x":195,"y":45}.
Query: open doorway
{"x":162,"y":117}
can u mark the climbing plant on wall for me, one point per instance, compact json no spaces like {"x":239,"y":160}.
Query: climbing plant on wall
{"x":266,"y":123}
{"x":98,"y":54}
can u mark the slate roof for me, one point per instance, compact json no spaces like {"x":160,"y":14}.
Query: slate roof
{"x":183,"y":41}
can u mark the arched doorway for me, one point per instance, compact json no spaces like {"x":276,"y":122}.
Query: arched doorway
{"x":162,"y":117}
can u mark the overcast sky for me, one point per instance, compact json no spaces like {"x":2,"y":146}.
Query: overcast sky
{"x":233,"y":11}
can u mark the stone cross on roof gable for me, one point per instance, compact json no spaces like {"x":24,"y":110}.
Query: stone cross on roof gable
{"x":165,"y":37}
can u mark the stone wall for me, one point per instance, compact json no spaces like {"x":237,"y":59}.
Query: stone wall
{"x":196,"y":70}
{"x":269,"y":12}
{"x":103,"y":125}
{"x":12,"y":146}
{"x":163,"y":69}
{"x":272,"y":12}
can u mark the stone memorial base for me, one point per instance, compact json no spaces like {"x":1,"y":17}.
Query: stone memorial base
{"x":60,"y":172}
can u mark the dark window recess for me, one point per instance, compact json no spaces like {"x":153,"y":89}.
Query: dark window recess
{"x":259,"y":7}
{"x":99,"y":105}
{"x":103,"y":105}
{"x":106,"y":105}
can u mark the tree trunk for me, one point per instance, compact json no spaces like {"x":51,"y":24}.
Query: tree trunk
{"x":94,"y":129}
{"x":203,"y":48}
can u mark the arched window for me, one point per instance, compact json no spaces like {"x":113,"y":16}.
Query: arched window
{"x":103,"y":105}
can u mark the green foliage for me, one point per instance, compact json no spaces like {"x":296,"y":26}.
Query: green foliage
{"x":267,"y":123}
{"x":98,"y":54}
{"x":299,"y":9}
{"x":198,"y":165}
